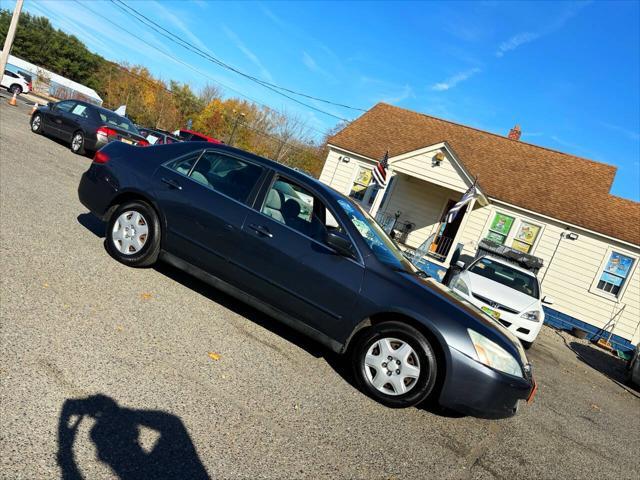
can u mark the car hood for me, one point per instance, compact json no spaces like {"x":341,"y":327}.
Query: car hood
{"x":499,"y":293}
{"x":472,"y":311}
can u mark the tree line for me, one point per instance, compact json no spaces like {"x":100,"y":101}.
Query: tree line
{"x":152,"y":102}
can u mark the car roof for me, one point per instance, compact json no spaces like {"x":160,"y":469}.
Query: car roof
{"x":502,"y":261}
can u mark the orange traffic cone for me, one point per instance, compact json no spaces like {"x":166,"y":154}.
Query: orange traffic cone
{"x":13,"y":99}
{"x":35,"y":107}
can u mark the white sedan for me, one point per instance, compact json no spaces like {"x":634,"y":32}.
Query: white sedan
{"x":506,"y":292}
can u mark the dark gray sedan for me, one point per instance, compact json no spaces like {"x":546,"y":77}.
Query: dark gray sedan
{"x":86,"y":127}
{"x":313,"y":259}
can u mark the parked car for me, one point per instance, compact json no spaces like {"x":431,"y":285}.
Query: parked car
{"x":633,"y":368}
{"x":215,"y":212}
{"x":85,"y":126}
{"x":191,"y":136}
{"x":156,"y":136}
{"x":507,"y":292}
{"x":15,"y":83}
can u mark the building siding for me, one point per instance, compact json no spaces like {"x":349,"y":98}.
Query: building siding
{"x":446,"y":174}
{"x":573,"y":270}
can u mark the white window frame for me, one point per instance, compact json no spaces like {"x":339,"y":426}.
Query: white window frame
{"x":596,"y":279}
{"x":371,"y":191}
{"x":515,"y":226}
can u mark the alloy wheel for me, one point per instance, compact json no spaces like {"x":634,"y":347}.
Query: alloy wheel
{"x":76,"y":143}
{"x":35,"y":124}
{"x":130,"y":232}
{"x":391,"y":366}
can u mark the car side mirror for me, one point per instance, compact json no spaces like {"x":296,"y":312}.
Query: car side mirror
{"x":547,"y":300}
{"x":460,"y":264}
{"x":50,"y":104}
{"x":339,"y":243}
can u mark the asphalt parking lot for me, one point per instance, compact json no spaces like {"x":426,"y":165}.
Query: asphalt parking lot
{"x":99,"y":363}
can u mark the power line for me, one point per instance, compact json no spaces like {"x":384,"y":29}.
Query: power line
{"x":168,"y":55}
{"x":184,"y":44}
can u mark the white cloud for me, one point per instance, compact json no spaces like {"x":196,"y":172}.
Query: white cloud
{"x":630,"y":134}
{"x":248,"y":53}
{"x":523,"y":38}
{"x":312,"y":65}
{"x":455,"y":80}
{"x":396,"y":97}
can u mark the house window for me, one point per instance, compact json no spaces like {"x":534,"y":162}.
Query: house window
{"x":525,"y":236}
{"x":615,"y":273}
{"x":363,"y":188}
{"x":500,"y":227}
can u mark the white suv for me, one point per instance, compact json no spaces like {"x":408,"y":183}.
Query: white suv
{"x":15,"y":83}
{"x":506,"y":292}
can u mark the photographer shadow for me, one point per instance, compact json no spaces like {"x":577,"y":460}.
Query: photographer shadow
{"x":116,"y":436}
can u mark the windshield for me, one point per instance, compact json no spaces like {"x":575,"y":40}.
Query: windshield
{"x":376,"y":238}
{"x":111,"y":118}
{"x":504,"y":274}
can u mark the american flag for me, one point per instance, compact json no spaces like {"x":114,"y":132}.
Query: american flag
{"x":466,"y":198}
{"x":380,"y":171}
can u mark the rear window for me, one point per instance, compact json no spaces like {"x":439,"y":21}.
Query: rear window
{"x":504,"y":274}
{"x":111,"y":118}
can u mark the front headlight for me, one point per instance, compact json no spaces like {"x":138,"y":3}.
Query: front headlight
{"x":461,"y":286}
{"x":494,"y":356}
{"x":533,"y":316}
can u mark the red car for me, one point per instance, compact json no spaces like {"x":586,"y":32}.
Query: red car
{"x":191,"y":136}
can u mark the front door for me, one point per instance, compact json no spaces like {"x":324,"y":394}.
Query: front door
{"x":287,"y":263}
{"x":447,"y":232}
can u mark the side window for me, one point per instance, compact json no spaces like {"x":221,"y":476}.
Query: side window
{"x":65,"y":106}
{"x":228,"y":175}
{"x":80,"y":110}
{"x":296,"y":207}
{"x":500,"y":227}
{"x":615,"y":273}
{"x":185,"y":164}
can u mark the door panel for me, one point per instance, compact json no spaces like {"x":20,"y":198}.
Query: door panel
{"x":203,"y":225}
{"x":294,"y":271}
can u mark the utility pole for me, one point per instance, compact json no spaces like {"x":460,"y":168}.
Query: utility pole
{"x":11,"y":33}
{"x":235,"y":125}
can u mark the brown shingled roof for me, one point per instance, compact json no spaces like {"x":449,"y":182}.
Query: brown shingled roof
{"x":562,"y":186}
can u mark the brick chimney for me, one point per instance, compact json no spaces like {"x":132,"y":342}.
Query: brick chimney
{"x":514,"y":133}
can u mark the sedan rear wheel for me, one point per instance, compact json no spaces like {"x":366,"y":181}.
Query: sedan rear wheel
{"x":77,"y":143}
{"x":395,"y":364}
{"x":133,"y":234}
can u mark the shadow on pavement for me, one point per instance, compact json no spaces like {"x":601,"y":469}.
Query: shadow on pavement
{"x":116,"y":436}
{"x":92,"y":223}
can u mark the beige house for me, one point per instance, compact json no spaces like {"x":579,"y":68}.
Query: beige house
{"x":547,"y":203}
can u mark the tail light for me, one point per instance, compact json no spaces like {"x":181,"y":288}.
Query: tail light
{"x":143,"y":143}
{"x":106,"y":131}
{"x":30,"y":87}
{"x":100,"y":157}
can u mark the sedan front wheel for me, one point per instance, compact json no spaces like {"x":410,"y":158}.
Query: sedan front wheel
{"x":395,"y":364}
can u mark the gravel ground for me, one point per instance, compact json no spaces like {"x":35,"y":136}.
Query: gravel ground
{"x":213,"y":387}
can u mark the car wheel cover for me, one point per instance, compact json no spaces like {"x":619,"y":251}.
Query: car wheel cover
{"x":130,"y":232}
{"x":35,"y":124}
{"x":391,"y":366}
{"x":76,"y":143}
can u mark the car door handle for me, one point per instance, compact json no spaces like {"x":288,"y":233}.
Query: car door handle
{"x":171,"y":183}
{"x":261,"y":230}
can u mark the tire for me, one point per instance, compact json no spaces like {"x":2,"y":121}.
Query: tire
{"x":36,"y":124}
{"x":126,"y":238}
{"x":390,"y":339}
{"x":77,"y":143}
{"x":526,"y":345}
{"x":15,"y":88}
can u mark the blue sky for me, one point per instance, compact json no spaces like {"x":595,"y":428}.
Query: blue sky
{"x":567,"y":72}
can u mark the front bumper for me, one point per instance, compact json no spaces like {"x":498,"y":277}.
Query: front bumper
{"x":525,"y":330}
{"x":475,"y":389}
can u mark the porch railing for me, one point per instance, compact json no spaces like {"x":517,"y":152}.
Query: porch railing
{"x":440,"y":248}
{"x":386,"y":220}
